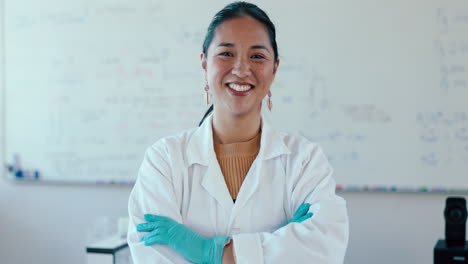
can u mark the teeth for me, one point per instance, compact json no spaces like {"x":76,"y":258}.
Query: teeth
{"x":240,"y":88}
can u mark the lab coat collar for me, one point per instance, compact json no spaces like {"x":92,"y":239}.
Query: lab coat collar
{"x":272,"y":143}
{"x":200,"y":148}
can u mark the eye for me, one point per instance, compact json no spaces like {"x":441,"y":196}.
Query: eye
{"x":226,"y":53}
{"x":257,"y":56}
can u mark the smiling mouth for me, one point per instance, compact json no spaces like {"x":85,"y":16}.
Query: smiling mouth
{"x":240,"y":87}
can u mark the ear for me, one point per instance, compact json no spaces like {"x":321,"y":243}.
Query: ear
{"x":203,"y":61}
{"x":275,"y":67}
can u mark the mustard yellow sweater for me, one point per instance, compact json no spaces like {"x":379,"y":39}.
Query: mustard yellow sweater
{"x":235,"y":160}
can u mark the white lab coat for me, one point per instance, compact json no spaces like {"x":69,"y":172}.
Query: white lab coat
{"x":180,"y":178}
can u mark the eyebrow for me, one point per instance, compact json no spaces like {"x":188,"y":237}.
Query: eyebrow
{"x":230,"y":45}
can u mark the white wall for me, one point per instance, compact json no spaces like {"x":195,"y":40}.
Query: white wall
{"x":49,"y":223}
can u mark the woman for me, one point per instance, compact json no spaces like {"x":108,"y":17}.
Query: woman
{"x":234,"y":190}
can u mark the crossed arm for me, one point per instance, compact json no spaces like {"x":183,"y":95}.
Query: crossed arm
{"x":191,"y":245}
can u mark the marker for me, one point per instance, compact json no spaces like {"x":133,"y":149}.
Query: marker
{"x":423,"y":189}
{"x":19,"y":174}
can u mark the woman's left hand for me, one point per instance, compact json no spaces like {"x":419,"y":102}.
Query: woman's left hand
{"x":302,"y":214}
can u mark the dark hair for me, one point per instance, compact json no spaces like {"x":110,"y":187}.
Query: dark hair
{"x":235,"y":10}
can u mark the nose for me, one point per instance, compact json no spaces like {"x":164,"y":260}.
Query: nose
{"x":241,"y":68}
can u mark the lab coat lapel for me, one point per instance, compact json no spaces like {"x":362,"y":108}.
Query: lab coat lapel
{"x":200,"y":150}
{"x":271,"y":146}
{"x":249,"y":185}
{"x":215,"y":185}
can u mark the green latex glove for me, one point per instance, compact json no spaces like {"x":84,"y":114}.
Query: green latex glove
{"x":194,"y":247}
{"x":301,"y":214}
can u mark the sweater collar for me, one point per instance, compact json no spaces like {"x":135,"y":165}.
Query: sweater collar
{"x":200,"y":148}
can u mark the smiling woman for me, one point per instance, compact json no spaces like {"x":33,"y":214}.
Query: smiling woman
{"x":240,"y":66}
{"x":234,"y":189}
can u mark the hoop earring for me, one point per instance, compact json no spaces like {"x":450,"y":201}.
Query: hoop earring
{"x":269,"y":103}
{"x":207,"y":95}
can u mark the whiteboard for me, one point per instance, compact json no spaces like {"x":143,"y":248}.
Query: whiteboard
{"x":381,"y":86}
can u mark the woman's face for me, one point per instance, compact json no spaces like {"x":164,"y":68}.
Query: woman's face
{"x":239,"y":67}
